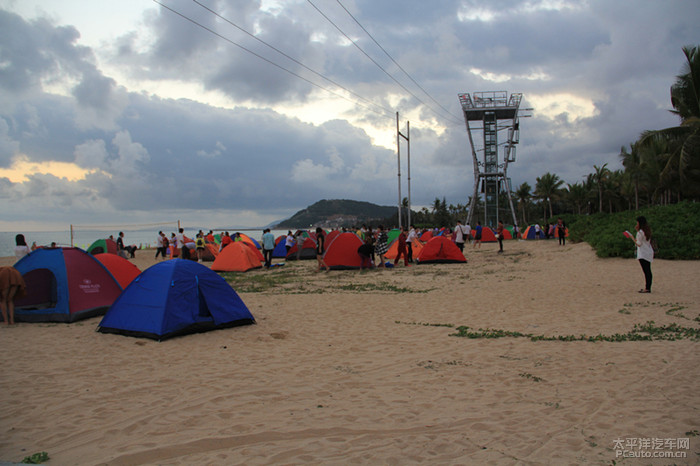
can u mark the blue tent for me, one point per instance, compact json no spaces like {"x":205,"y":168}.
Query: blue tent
{"x":280,"y":249}
{"x":173,"y":298}
{"x":64,"y":285}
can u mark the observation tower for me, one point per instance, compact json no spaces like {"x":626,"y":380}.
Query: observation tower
{"x":492,"y":113}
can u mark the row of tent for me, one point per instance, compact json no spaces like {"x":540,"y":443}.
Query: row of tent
{"x":170,"y":298}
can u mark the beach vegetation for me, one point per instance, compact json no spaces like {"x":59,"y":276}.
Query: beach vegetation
{"x":529,"y":376}
{"x":36,"y":458}
{"x":649,"y":331}
{"x":675,"y":231}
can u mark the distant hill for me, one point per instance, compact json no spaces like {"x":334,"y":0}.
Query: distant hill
{"x":337,"y":213}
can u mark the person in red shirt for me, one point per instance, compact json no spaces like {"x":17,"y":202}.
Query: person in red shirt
{"x":225,"y":241}
{"x":402,"y":251}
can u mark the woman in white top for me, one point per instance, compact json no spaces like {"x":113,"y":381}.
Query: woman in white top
{"x":645,"y":252}
{"x":21,"y":248}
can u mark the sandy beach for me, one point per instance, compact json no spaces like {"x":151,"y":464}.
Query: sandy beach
{"x":363,"y":368}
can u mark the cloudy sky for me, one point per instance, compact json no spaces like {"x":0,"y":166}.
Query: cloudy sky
{"x":135,"y":112}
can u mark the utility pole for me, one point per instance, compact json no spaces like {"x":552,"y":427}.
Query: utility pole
{"x":400,"y":135}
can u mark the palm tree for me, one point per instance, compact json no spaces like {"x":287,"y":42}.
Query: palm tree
{"x":577,"y":194}
{"x":633,"y":167}
{"x":522,"y":194}
{"x":599,"y":178}
{"x":546,"y":187}
{"x":684,"y":161}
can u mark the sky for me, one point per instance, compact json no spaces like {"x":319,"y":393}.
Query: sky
{"x":240,"y":113}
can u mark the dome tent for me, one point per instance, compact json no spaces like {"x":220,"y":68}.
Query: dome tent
{"x":237,"y":257}
{"x":121,"y":269}
{"x":103,"y":246}
{"x":341,"y":253}
{"x":173,"y":298}
{"x":440,"y":250}
{"x":64,"y":285}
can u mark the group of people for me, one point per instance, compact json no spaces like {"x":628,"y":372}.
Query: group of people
{"x":188,"y":248}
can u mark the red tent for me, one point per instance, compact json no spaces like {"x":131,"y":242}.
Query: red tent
{"x":440,"y":250}
{"x":506,"y":234}
{"x":237,"y":257}
{"x":331,"y":236}
{"x":426,"y":236}
{"x":64,"y":285}
{"x":342,"y":252}
{"x":487,"y":235}
{"x":308,"y":250}
{"x":123,"y":270}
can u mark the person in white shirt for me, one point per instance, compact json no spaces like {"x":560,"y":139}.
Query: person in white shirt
{"x":160,"y":245}
{"x":21,"y":248}
{"x":289,"y":241}
{"x":412,"y":236}
{"x":645,"y":251}
{"x":460,"y":235}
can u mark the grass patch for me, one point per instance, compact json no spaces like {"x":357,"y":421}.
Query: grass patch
{"x":36,"y":458}
{"x":387,"y":287}
{"x":529,"y":376}
{"x":425,"y":324}
{"x":648,"y":331}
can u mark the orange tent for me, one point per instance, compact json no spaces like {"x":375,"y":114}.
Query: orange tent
{"x":121,"y":269}
{"x":394,"y":249}
{"x":236,"y":257}
{"x":255,"y":250}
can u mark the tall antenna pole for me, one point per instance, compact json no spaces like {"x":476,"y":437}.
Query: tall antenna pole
{"x":408,"y":139}
{"x":398,"y":161}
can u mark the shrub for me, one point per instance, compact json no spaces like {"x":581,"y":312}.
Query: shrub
{"x":675,"y":229}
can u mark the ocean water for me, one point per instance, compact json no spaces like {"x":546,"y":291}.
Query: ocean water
{"x":84,"y":238}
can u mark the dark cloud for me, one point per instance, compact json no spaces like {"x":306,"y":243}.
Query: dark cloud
{"x":604,"y":69}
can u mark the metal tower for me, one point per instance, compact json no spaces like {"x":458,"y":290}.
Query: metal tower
{"x":496,"y":112}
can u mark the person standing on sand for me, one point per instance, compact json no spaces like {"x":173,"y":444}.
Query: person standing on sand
{"x":21,"y":248}
{"x":499,"y":236}
{"x":365,"y":251}
{"x":412,"y":236}
{"x":460,"y":235}
{"x":161,"y":240}
{"x":645,"y":252}
{"x":289,"y":241}
{"x":477,"y":234}
{"x":321,"y":249}
{"x":381,"y":246}
{"x":401,"y":248}
{"x":561,"y":231}
{"x":12,"y":287}
{"x":268,"y":240}
{"x":201,"y":244}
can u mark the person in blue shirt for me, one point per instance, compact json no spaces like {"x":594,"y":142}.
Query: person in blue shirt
{"x":268,"y":246}
{"x":477,"y":235}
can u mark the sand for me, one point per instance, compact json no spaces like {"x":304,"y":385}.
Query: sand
{"x":361,"y":368}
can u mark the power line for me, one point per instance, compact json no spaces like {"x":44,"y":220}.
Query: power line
{"x":370,"y":58}
{"x":389,"y":111}
{"x":396,"y":63}
{"x":185,"y":17}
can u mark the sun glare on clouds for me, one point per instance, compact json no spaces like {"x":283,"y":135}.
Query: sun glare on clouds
{"x":22,"y":168}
